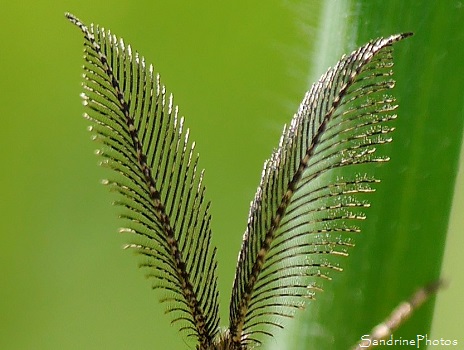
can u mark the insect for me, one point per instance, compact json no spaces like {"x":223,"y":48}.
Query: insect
{"x":300,"y":219}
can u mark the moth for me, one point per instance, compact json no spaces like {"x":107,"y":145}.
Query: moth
{"x":304,"y":209}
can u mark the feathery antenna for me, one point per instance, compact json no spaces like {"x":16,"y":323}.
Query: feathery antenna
{"x":162,"y":193}
{"x":302,"y":215}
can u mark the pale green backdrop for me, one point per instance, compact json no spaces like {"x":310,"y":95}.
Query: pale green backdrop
{"x":238,"y":71}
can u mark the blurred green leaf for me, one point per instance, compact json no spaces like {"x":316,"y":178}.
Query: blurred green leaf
{"x":402,"y":243}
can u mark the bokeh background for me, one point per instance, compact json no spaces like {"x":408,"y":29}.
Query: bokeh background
{"x":238,"y":71}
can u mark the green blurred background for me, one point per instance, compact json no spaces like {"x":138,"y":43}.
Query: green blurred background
{"x":238,"y":71}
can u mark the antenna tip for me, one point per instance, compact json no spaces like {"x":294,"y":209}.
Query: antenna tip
{"x":72,"y":18}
